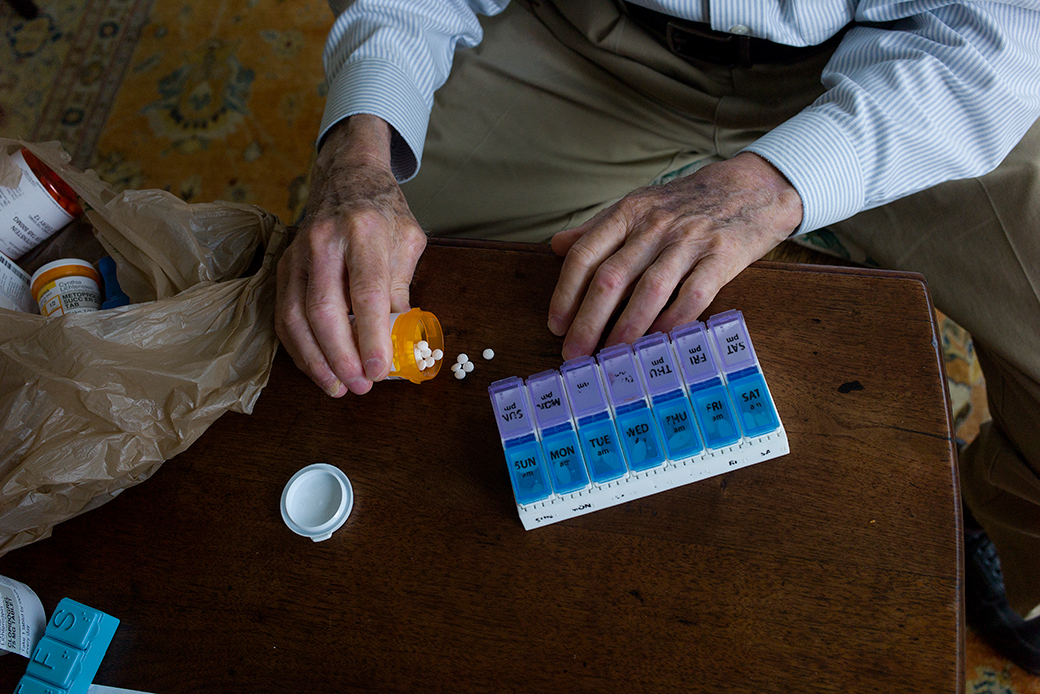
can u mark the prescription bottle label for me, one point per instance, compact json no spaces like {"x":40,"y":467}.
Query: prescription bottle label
{"x":21,"y":616}
{"x":14,"y":287}
{"x":67,"y":286}
{"x":29,"y":214}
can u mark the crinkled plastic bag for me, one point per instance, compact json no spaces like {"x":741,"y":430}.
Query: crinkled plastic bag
{"x":94,"y":403}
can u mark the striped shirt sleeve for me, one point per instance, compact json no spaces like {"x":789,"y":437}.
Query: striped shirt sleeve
{"x":937,"y":94}
{"x":387,"y":57}
{"x":919,"y":92}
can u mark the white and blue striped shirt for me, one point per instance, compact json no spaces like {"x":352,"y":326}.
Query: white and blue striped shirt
{"x":943,"y":93}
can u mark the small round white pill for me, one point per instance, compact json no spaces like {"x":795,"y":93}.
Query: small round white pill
{"x":462,"y":358}
{"x":430,"y":363}
{"x":467,"y":367}
{"x":438,"y":354}
{"x":422,"y":344}
{"x":426,"y":353}
{"x":489,"y":353}
{"x":456,"y":367}
{"x":460,"y":374}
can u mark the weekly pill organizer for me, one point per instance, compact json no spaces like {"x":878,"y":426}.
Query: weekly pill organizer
{"x":636,"y":420}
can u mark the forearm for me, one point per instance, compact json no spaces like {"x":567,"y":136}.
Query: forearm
{"x":361,"y":139}
{"x":387,"y":59}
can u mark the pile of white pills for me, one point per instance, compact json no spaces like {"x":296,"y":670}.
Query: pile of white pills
{"x":426,"y":358}
{"x":463,"y":365}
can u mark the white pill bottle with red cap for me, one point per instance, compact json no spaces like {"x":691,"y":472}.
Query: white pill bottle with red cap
{"x":40,"y":206}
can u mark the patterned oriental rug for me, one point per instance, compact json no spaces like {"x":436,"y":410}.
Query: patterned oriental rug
{"x":221,"y":100}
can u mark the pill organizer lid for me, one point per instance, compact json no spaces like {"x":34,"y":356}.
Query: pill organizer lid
{"x":732,"y":341}
{"x":512,"y":414}
{"x":695,"y":355}
{"x":548,"y":398}
{"x":655,"y":355}
{"x":621,"y":374}
{"x":316,"y":501}
{"x":583,"y":386}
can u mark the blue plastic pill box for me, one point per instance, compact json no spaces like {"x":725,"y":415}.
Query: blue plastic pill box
{"x":68,"y":655}
{"x":636,"y":420}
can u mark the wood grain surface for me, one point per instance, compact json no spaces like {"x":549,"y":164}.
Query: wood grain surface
{"x":832,"y":569}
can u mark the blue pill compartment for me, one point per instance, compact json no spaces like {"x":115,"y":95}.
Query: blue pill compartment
{"x":639,"y":437}
{"x":519,"y":441}
{"x":678,"y":429}
{"x":667,"y":396}
{"x":714,"y":411}
{"x":566,"y":462}
{"x":556,"y":429}
{"x":704,"y":382}
{"x":745,"y":382}
{"x":757,"y":413}
{"x":527,"y":470}
{"x":627,"y":396}
{"x":602,"y":446}
{"x":70,"y":651}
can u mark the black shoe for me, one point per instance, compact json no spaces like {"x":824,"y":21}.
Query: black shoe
{"x":986,"y":606}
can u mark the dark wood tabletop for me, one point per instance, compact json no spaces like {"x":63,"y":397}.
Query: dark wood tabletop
{"x":832,"y":569}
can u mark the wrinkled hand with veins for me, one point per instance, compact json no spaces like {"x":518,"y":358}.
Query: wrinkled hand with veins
{"x":695,"y":233}
{"x":355,"y":252}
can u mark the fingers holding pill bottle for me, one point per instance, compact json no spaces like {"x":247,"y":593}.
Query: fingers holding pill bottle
{"x":355,"y":253}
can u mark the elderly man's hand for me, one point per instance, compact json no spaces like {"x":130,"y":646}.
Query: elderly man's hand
{"x":699,"y":232}
{"x":355,"y":253}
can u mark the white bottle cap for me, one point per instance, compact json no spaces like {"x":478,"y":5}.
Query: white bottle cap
{"x":316,"y":501}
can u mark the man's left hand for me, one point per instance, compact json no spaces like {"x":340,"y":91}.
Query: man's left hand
{"x":699,"y":231}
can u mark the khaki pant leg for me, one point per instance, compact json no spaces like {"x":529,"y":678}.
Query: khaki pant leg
{"x":566,"y":106}
{"x":977,"y":242}
{"x":528,"y":138}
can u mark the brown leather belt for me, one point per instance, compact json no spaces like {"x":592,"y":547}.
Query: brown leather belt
{"x":698,"y":41}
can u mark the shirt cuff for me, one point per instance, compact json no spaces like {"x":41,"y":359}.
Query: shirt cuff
{"x":821,"y":163}
{"x":380,"y":88}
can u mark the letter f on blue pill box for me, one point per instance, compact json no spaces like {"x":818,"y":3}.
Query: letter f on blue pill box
{"x":68,"y":655}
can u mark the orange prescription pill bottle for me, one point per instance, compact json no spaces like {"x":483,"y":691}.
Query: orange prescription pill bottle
{"x":408,"y":330}
{"x":39,"y":207}
{"x":413,"y":334}
{"x":66,"y":286}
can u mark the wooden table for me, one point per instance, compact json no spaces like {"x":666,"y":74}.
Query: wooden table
{"x":832,"y":569}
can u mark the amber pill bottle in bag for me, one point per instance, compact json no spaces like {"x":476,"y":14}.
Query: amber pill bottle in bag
{"x":39,"y":207}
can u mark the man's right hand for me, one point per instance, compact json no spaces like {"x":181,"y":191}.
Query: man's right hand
{"x":355,"y":252}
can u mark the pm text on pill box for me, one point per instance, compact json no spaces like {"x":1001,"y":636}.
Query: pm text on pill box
{"x":636,"y":420}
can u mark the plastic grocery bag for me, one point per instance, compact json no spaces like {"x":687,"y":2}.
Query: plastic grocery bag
{"x":94,"y":403}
